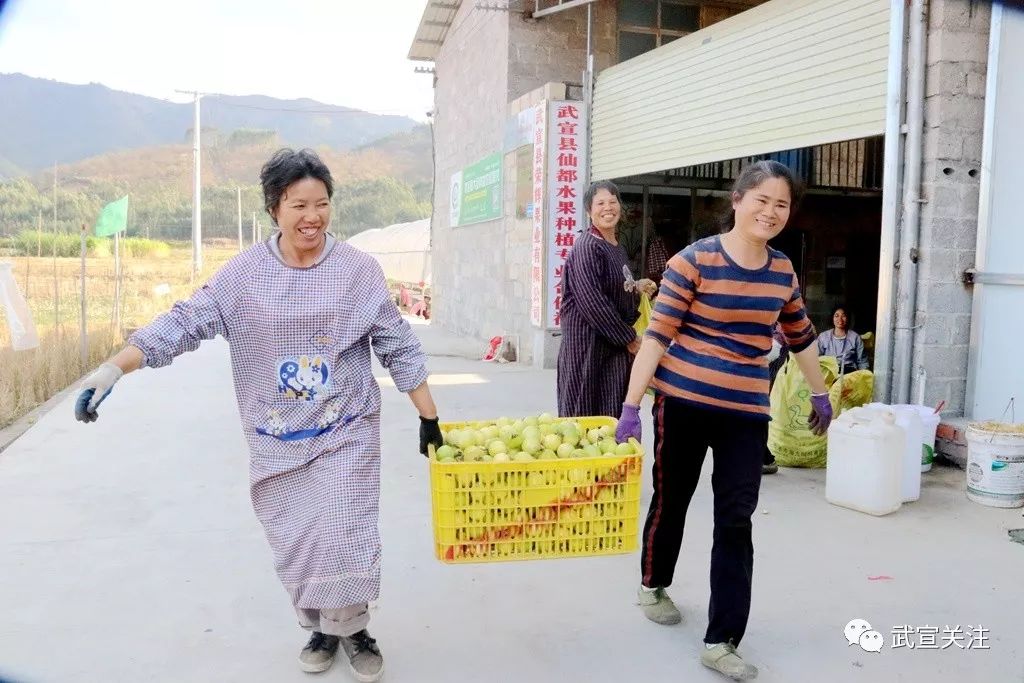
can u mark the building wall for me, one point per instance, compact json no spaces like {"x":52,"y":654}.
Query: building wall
{"x":482,"y":272}
{"x":491,"y":63}
{"x":553,"y":49}
{"x":543,"y":54}
{"x":469,"y":119}
{"x":954,"y":117}
{"x":535,"y":345}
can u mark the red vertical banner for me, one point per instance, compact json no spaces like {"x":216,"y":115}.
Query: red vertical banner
{"x":537,"y":246}
{"x":566,"y":165}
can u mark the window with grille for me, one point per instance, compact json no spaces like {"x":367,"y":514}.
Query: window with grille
{"x":648,"y":24}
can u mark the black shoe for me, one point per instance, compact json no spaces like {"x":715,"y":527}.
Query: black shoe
{"x":769,"y":468}
{"x":318,"y":655}
{"x":364,"y":659}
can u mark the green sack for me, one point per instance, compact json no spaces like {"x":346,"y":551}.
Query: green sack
{"x":790,"y":439}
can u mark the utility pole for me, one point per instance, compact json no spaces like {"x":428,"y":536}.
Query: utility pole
{"x":83,"y":332}
{"x":254,"y":227}
{"x":56,"y":282}
{"x":197,"y":193}
{"x":55,"y":198}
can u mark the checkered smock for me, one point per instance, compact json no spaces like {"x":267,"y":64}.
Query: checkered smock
{"x":300,"y":343}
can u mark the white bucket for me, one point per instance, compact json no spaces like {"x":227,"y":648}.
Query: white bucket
{"x":930,"y":420}
{"x":995,"y":464}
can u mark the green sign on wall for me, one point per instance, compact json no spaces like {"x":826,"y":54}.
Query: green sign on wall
{"x":475,"y":193}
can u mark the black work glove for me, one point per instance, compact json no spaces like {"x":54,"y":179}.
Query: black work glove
{"x":430,"y":434}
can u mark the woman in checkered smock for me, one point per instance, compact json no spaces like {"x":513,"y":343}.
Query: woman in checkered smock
{"x":301,"y":313}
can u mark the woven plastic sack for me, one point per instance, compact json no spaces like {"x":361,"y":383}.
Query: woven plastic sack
{"x":851,"y":391}
{"x":790,"y":439}
{"x":19,"y":317}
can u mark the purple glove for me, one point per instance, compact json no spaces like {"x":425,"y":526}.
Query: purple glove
{"x":821,"y":414}
{"x":629,"y":424}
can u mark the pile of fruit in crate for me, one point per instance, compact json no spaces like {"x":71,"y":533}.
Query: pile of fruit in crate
{"x":534,"y":438}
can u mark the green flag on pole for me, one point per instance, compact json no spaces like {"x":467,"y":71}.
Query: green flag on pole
{"x":113,"y":218}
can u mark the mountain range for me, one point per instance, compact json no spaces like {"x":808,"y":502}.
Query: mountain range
{"x":46,"y":121}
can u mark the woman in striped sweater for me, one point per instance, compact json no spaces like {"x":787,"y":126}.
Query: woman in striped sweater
{"x":705,"y":354}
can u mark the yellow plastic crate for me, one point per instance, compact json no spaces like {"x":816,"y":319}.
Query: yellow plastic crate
{"x":498,"y":512}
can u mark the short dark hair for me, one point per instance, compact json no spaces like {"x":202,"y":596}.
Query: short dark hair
{"x":287,"y":167}
{"x":588,"y":196}
{"x":760,"y":171}
{"x":755,"y":174}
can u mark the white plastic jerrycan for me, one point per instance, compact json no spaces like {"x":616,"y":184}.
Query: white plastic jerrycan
{"x":865,"y":462}
{"x":909,"y":419}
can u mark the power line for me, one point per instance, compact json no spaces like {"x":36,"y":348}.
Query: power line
{"x":332,"y":112}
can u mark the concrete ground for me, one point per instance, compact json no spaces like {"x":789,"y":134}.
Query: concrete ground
{"x":129,"y":552}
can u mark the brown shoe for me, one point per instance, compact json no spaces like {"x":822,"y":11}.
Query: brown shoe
{"x":318,"y":655}
{"x":364,"y":659}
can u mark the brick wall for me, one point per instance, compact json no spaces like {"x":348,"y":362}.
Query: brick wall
{"x":954,"y":117}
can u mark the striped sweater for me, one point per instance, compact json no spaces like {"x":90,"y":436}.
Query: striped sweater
{"x":716,"y":319}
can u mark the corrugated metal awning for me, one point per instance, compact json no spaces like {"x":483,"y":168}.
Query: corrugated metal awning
{"x":784,"y":75}
{"x":434,"y":24}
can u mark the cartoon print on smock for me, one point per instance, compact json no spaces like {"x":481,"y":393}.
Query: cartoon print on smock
{"x":303,"y":378}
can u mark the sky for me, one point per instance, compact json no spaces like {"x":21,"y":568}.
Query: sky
{"x":342,"y":52}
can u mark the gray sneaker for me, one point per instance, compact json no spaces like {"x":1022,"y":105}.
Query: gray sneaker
{"x":724,"y":659}
{"x":658,"y":607}
{"x":318,"y":655}
{"x":364,"y":659}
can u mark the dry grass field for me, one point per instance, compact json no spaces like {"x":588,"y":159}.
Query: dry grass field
{"x":149,"y":286}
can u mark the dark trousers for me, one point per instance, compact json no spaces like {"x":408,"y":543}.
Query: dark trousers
{"x":682,"y":435}
{"x":773,"y":370}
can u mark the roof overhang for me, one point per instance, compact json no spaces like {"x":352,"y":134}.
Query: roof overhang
{"x":434,"y":24}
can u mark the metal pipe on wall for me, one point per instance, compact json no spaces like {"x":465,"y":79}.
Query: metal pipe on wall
{"x":588,"y":90}
{"x":906,"y":302}
{"x":590,"y":29}
{"x":645,"y":221}
{"x":891,"y":184}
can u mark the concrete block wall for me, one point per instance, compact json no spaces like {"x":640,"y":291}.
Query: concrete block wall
{"x":954,"y":119}
{"x":544,"y":55}
{"x":553,"y":49}
{"x":519,"y":237}
{"x":469,"y":122}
